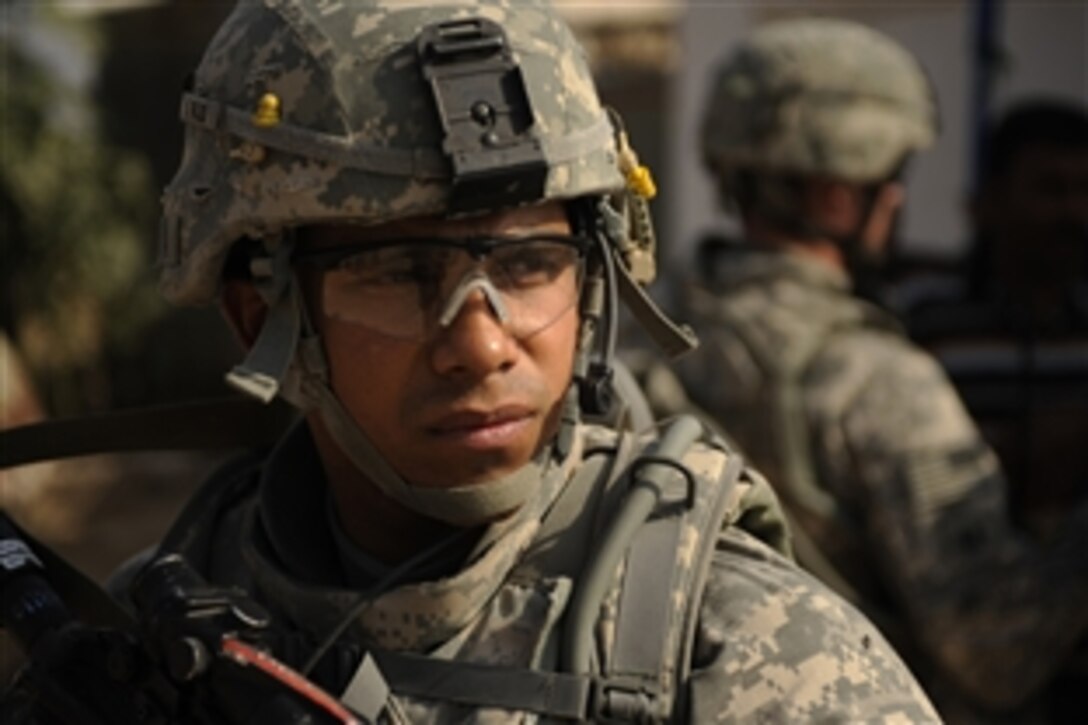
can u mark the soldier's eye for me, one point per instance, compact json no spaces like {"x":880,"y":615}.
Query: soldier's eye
{"x":532,"y":263}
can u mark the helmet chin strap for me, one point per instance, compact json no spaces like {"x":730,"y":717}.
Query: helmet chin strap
{"x":604,"y":288}
{"x":460,"y":505}
{"x":288,"y":359}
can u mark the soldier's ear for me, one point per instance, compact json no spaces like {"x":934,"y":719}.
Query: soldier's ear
{"x":879,"y":226}
{"x":243,"y":309}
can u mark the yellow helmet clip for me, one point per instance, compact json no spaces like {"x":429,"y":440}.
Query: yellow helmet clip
{"x":639,"y":179}
{"x":269,"y":111}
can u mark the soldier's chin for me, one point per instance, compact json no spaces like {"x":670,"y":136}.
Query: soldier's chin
{"x":480,"y":470}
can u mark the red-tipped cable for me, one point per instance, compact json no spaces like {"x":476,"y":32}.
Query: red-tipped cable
{"x":245,"y":654}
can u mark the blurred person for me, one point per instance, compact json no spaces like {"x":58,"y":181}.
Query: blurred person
{"x":897,"y":499}
{"x":1012,"y":331}
{"x":1030,"y":218}
{"x":419,"y":219}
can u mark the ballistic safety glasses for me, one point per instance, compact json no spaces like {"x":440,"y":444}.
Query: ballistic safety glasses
{"x":408,"y":288}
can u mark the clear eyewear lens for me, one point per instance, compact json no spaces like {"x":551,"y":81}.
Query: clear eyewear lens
{"x":402,"y":291}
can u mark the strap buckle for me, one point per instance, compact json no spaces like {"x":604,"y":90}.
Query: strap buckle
{"x":202,"y":112}
{"x":484,"y":108}
{"x":625,"y":701}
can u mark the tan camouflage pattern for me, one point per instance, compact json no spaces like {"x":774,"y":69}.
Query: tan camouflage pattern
{"x":427,"y":614}
{"x":793,"y":98}
{"x":920,"y":527}
{"x":347,"y":69}
{"x":771,"y":643}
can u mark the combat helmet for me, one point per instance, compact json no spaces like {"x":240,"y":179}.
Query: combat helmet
{"x":817,"y":96}
{"x":306,"y":112}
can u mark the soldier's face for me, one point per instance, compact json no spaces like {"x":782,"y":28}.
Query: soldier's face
{"x":468,"y":402}
{"x":1037,"y":214}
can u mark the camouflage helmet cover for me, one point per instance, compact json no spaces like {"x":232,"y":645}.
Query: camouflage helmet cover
{"x":818,"y":96}
{"x":352,"y":134}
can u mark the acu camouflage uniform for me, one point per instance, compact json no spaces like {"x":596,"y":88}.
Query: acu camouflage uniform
{"x":359,"y":135}
{"x":770,"y":644}
{"x":900,"y":503}
{"x":894,"y":483}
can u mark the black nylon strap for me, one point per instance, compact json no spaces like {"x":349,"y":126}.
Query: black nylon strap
{"x":219,"y":423}
{"x":554,"y":694}
{"x":82,"y":595}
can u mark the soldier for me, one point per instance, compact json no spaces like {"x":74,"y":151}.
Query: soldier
{"x":899,"y":502}
{"x":416,"y":217}
{"x":1012,"y":332}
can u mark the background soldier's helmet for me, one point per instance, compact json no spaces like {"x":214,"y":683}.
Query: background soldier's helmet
{"x":817,"y":96}
{"x":331,"y":112}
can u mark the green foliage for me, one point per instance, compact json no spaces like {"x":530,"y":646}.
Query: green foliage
{"x":76,"y":276}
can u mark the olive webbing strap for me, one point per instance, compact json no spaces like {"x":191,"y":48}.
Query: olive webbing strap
{"x":552,"y":694}
{"x":790,"y":433}
{"x":645,"y":601}
{"x":659,"y":597}
{"x":709,"y":525}
{"x":576,"y":517}
{"x":208,"y":424}
{"x":792,"y":443}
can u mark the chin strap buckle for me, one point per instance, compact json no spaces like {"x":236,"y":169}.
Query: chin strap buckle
{"x":262,"y":373}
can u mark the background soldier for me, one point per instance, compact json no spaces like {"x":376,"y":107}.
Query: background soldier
{"x":416,"y":218}
{"x":1012,"y":330}
{"x":901,"y":504}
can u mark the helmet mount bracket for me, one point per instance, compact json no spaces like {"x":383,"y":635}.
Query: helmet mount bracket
{"x":482,"y":102}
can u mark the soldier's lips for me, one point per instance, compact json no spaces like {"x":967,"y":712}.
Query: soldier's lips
{"x":499,"y":428}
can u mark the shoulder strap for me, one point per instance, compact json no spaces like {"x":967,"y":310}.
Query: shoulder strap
{"x":216,"y":423}
{"x":793,"y":444}
{"x":664,"y":573}
{"x":784,"y":375}
{"x":581,"y":509}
